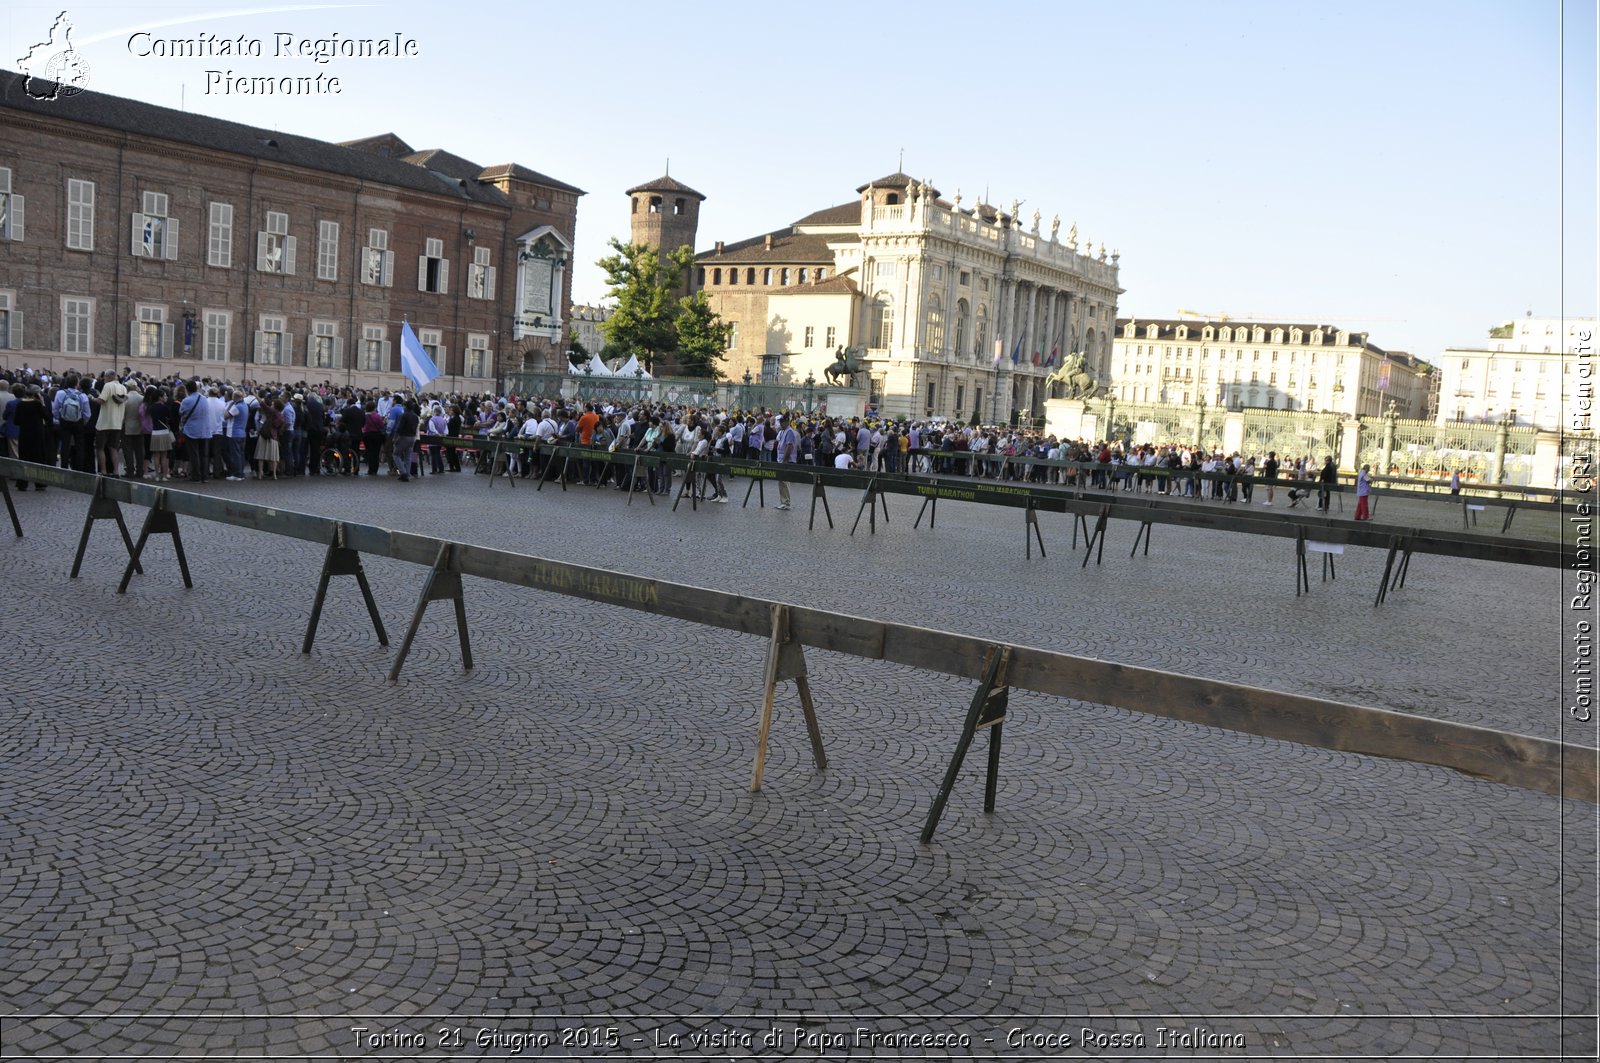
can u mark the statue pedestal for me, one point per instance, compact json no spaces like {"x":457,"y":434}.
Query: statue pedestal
{"x":843,"y":402}
{"x":1066,"y":418}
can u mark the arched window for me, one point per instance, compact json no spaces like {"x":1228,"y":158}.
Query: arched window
{"x":750,"y":275}
{"x":636,"y":204}
{"x":655,"y":204}
{"x":935,"y":324}
{"x":701,"y":280}
{"x":963,"y":328}
{"x":766,"y":276}
{"x":892,"y":198}
{"x":882,"y":335}
{"x":733,"y":275}
{"x":716,"y":276}
{"x":980,"y":333}
{"x":678,"y":205}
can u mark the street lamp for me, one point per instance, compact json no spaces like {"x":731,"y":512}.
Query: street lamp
{"x":1200,"y":433}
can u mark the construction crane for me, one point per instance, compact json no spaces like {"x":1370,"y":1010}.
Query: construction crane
{"x":1204,"y":317}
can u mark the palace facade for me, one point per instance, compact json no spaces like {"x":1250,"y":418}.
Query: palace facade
{"x":1524,"y":372}
{"x":137,"y":235}
{"x":953,"y":311}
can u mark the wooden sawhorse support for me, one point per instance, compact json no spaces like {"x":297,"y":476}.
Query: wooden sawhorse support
{"x":930,"y":506}
{"x":5,"y":489}
{"x":494,"y":463}
{"x":633,"y":479}
{"x":1096,"y":538}
{"x":1395,"y":577}
{"x":819,"y":495}
{"x":102,"y":508}
{"x":871,"y":498}
{"x":1030,"y":524}
{"x":159,"y":521}
{"x":785,"y":660}
{"x":341,"y":560}
{"x":988,"y":710}
{"x":444,"y":584}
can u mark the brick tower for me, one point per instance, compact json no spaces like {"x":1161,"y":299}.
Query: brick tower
{"x":664,"y":215}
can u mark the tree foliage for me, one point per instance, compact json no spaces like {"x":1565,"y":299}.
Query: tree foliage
{"x":702,"y":337}
{"x":649,"y":319}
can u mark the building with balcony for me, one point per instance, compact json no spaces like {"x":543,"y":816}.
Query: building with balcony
{"x":1524,"y":372}
{"x":1267,"y":365}
{"x":132,"y":234}
{"x":956,"y":311}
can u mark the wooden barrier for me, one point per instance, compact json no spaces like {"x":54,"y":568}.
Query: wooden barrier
{"x":1533,"y":763}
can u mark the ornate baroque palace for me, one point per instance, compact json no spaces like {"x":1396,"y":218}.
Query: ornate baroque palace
{"x":963,"y":312}
{"x":138,"y":235}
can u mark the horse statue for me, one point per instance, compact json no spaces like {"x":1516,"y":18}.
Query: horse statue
{"x":846,"y":364}
{"x":1074,"y":375}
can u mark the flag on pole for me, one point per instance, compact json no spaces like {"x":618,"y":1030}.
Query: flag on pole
{"x":999,"y":351}
{"x":1035,"y":357}
{"x":414,"y":361}
{"x":1050,"y":361}
{"x":1016,"y":352}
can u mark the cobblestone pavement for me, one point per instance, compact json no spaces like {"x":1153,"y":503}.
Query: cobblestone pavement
{"x":215,"y":845}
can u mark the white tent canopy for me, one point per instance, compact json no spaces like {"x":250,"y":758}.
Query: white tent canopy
{"x":631,"y":368}
{"x":595,"y":367}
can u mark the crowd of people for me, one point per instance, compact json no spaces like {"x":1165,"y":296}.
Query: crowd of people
{"x":138,"y":426}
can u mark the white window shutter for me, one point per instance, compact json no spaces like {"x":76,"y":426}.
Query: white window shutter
{"x":288,"y":349}
{"x":171,"y":239}
{"x":384,"y":368}
{"x":338,"y":352}
{"x":15,"y":338}
{"x":288,"y":255}
{"x":16,"y":217}
{"x":388,"y":269}
{"x":422,"y":273}
{"x":444,"y":276}
{"x":136,"y":245}
{"x":263,"y":262}
{"x":168,"y":334}
{"x":488,"y":283}
{"x":133,"y":340}
{"x":261,"y":346}
{"x":444,"y":357}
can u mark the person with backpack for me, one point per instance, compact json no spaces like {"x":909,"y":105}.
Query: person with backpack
{"x":69,"y":411}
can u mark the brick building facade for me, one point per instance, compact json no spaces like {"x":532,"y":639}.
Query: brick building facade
{"x":138,"y":235}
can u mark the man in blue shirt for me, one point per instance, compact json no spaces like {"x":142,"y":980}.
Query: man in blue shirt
{"x":197,"y":424}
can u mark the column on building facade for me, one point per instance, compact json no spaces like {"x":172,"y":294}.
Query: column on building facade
{"x":1008,"y":303}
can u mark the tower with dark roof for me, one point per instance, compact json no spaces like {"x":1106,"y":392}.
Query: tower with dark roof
{"x":664,"y":214}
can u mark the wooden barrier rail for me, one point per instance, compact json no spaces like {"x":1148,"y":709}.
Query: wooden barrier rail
{"x":1143,"y":510}
{"x":1520,"y":760}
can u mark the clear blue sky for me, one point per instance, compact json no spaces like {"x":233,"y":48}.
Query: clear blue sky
{"x":1390,"y":166}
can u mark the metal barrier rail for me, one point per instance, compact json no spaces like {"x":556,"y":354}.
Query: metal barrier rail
{"x":1519,"y":760}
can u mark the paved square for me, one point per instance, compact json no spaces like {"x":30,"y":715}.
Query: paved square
{"x":216,"y":846}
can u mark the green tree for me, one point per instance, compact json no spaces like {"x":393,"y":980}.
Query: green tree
{"x":702,"y":337}
{"x":651,"y":320}
{"x":644,"y":289}
{"x":575,"y":345}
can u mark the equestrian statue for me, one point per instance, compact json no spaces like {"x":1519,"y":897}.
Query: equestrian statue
{"x":1074,"y":375}
{"x":846,"y":364}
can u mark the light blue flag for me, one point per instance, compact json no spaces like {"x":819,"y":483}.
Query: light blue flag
{"x":414,"y":361}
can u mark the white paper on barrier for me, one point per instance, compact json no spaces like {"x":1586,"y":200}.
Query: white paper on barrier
{"x":1324,"y":548}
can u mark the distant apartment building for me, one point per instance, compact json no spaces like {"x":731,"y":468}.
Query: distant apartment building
{"x":583,"y":324}
{"x":1267,"y":365}
{"x":1523,"y":372}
